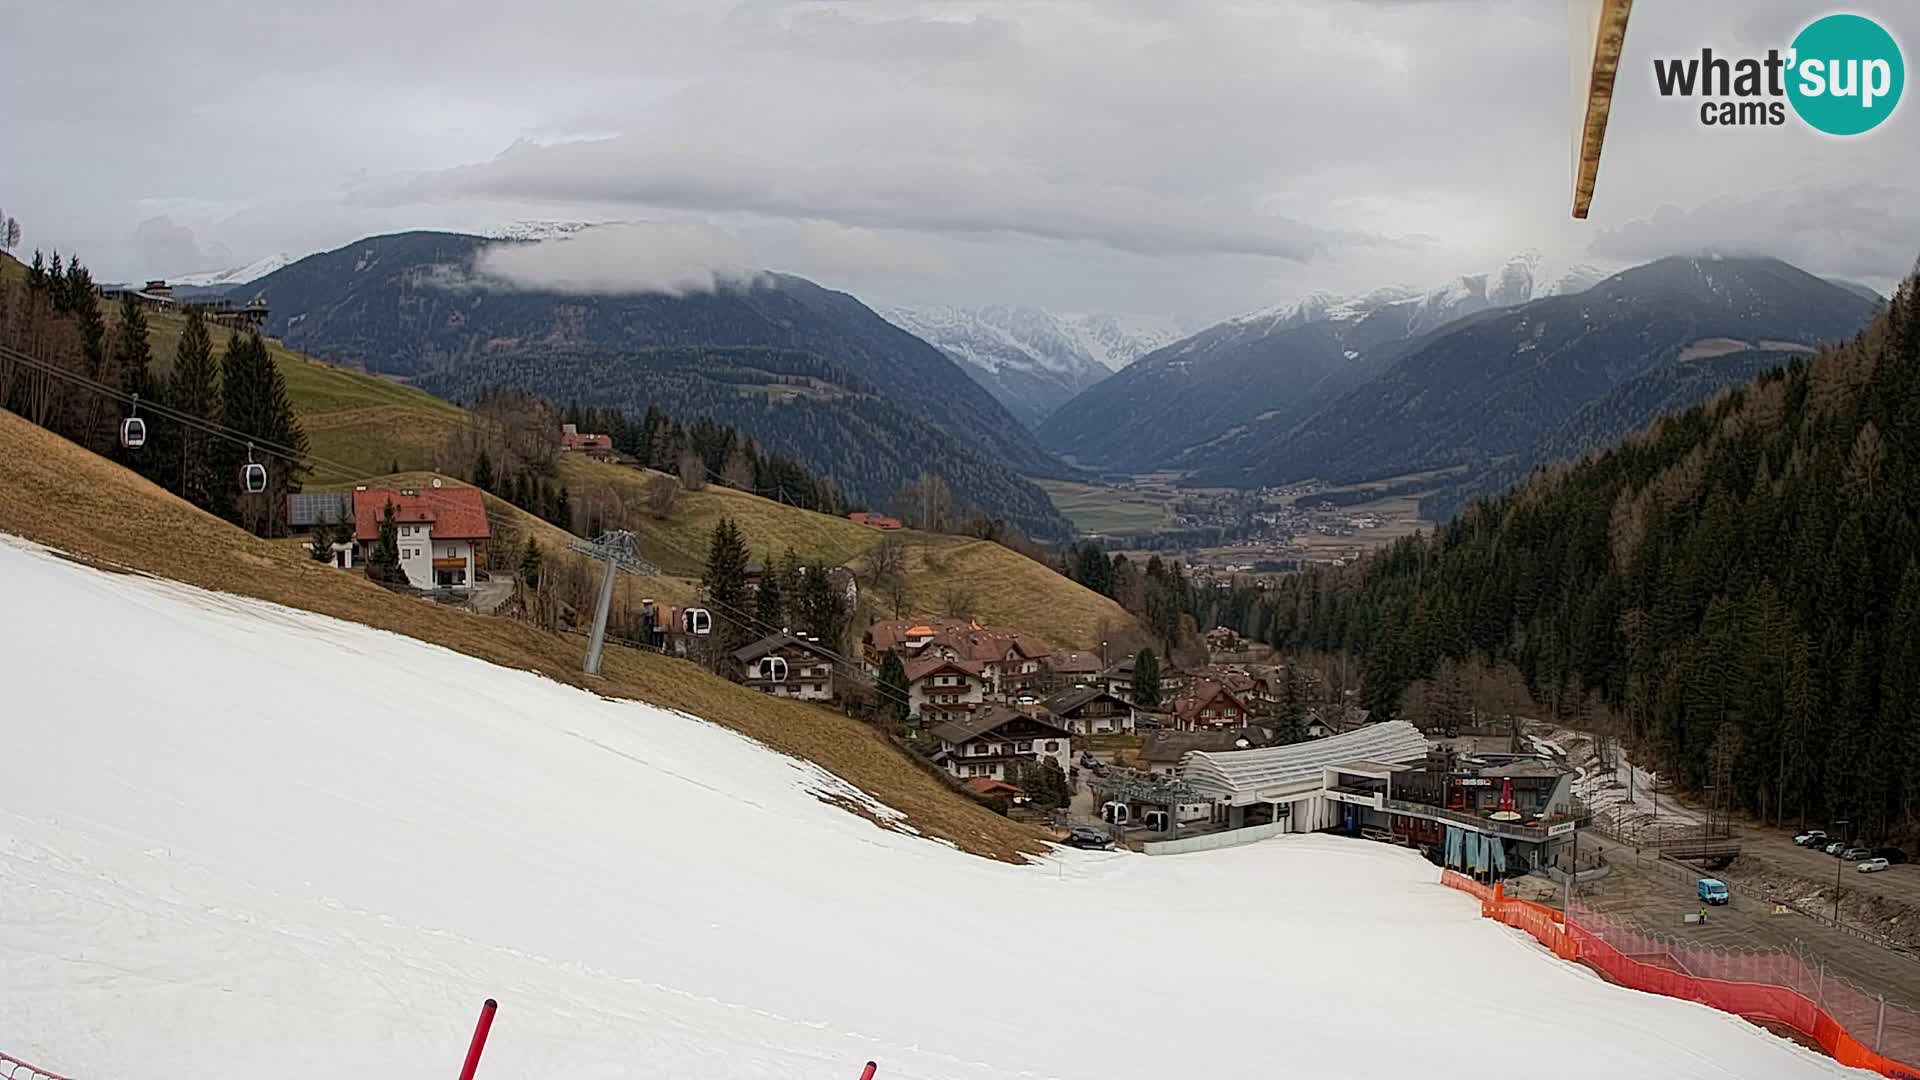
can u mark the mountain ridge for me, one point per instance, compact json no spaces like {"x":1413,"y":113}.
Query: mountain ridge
{"x":410,"y":304}
{"x":1033,"y":360}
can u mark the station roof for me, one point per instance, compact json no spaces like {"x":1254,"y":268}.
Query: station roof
{"x":1246,"y":776}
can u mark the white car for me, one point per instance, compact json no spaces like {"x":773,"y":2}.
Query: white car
{"x":1874,"y":866}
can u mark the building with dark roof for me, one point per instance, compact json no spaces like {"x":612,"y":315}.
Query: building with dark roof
{"x":1090,"y":710}
{"x":785,"y":665}
{"x":991,"y":739}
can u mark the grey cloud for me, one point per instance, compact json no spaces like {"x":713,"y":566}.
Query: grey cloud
{"x":1191,"y":157}
{"x":1864,"y":231}
{"x":675,"y":258}
{"x":166,"y":248}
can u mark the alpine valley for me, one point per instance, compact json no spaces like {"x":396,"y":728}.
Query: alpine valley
{"x":806,"y":371}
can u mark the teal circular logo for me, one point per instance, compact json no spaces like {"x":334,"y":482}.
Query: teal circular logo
{"x":1847,"y":75}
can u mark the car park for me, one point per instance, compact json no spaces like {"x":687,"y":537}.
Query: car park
{"x":1873,"y":866}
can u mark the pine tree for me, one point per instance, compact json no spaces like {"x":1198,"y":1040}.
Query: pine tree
{"x":892,"y":688}
{"x":770,"y":605}
{"x":530,"y":562}
{"x":483,"y":472}
{"x":1146,"y":679}
{"x":1292,"y":721}
{"x":383,"y":561}
{"x":320,"y":547}
{"x":195,"y":391}
{"x":822,"y":607}
{"x":563,"y":510}
{"x":725,"y":580}
{"x":134,"y":357}
{"x":254,"y":400}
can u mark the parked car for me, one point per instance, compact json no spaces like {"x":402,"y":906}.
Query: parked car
{"x":1891,"y":854}
{"x":1856,"y":854}
{"x":1834,"y":849}
{"x":1083,"y":836}
{"x":1874,"y":866}
{"x":1811,"y":838}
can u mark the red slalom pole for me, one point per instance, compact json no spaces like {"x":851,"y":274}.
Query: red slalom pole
{"x":479,"y":1039}
{"x":871,"y":1069}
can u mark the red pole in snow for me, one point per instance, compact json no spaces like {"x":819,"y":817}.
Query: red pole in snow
{"x":479,"y":1039}
{"x":868,"y":1074}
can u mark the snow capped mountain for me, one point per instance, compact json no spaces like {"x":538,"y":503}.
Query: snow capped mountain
{"x":1523,"y":277}
{"x":1275,"y":366}
{"x":239,"y":275}
{"x":1032,"y":360}
{"x":536,"y":230}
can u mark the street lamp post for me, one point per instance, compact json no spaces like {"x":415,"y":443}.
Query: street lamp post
{"x":1842,"y":828}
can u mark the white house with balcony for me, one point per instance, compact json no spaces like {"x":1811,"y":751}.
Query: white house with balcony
{"x":441,"y":532}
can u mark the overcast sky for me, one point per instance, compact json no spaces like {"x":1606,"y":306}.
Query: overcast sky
{"x":1178,"y":157}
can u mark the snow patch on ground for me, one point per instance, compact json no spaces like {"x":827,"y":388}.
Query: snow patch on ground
{"x":239,"y":840}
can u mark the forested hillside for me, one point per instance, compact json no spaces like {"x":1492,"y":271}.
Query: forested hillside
{"x":1739,"y":581}
{"x":821,"y":416}
{"x":806,"y":371}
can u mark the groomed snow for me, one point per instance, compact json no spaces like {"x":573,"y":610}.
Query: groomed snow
{"x":242,"y":841}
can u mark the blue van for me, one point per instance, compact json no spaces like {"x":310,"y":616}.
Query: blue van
{"x":1713,"y":890}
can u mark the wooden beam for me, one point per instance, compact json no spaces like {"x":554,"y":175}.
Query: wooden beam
{"x":1609,"y":38}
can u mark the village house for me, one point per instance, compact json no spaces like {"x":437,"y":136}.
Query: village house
{"x":573,"y":440}
{"x":1208,"y":705}
{"x":785,"y":665}
{"x":1222,"y":639}
{"x":1011,"y":664}
{"x":938,"y":689}
{"x":1118,"y":680}
{"x":306,"y":512}
{"x":990,"y":740}
{"x":1071,"y":669}
{"x":877,"y":521}
{"x":1090,"y":710}
{"x":441,"y":532}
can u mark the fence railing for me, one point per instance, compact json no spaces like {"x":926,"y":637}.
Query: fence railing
{"x":1858,"y":1028}
{"x":12,"y":1068}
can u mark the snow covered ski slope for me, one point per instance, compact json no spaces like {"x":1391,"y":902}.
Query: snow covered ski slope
{"x":242,"y":841}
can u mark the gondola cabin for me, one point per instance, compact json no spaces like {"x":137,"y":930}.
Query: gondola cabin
{"x":133,"y":433}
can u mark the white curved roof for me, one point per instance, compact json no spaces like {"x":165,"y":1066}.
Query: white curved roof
{"x":1273,"y":770}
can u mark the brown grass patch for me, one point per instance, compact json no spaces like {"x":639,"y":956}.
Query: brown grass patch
{"x":58,"y":494}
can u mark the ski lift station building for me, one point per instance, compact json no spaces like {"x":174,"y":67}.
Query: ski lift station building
{"x":1387,"y":780}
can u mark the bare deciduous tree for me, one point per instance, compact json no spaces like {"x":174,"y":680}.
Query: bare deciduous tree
{"x":958,"y":602}
{"x":661,"y":495}
{"x":693,"y":471}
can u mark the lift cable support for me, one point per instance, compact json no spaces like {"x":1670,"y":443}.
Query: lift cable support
{"x":616,"y":549}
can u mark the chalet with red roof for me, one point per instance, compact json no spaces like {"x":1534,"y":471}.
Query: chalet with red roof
{"x":877,"y":521}
{"x":1011,"y":664}
{"x":939,"y":689}
{"x":574,"y":441}
{"x":442,"y":531}
{"x":1209,"y":705}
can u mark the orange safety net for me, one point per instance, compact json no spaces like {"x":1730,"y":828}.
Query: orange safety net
{"x":1752,"y":1000}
